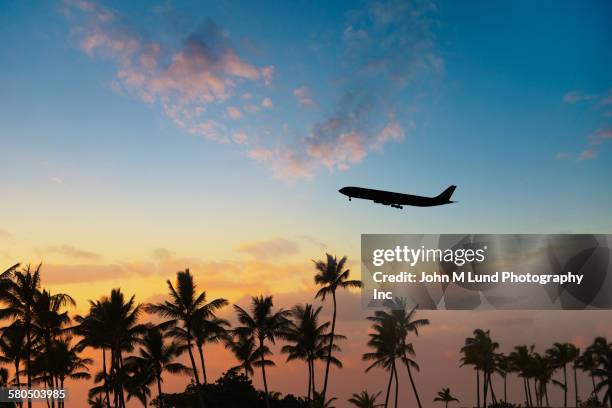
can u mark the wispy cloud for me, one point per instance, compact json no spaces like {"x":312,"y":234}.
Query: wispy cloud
{"x":362,"y":119}
{"x":72,"y":252}
{"x":199,"y":80}
{"x":588,"y":154}
{"x":269,"y":248}
{"x":185,"y":80}
{"x":576,"y":96}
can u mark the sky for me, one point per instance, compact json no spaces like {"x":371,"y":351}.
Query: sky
{"x":139,"y":138}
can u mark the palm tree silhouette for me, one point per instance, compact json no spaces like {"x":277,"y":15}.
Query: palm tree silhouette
{"x":521,"y":361}
{"x":407,"y":324}
{"x":385,"y":341}
{"x":332,"y":275}
{"x":445,"y":397}
{"x":206,"y":328}
{"x":262,"y":324}
{"x":604,"y":371}
{"x":63,"y":362}
{"x":563,"y":354}
{"x":155,"y":356}
{"x":12,"y":348}
{"x":248,"y":354}
{"x":95,"y":332}
{"x":503,"y":368}
{"x":308,"y":341}
{"x":480,"y":351}
{"x":185,"y":306}
{"x":365,"y":400}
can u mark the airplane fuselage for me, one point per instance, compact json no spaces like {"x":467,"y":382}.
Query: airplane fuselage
{"x":393,"y":199}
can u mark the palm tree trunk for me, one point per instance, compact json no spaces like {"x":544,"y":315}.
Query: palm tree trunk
{"x":576,"y":386}
{"x":565,"y":383}
{"x":331,"y":345}
{"x":416,"y":393}
{"x":196,"y":377}
{"x":309,"y":379}
{"x":485,"y":379}
{"x":396,"y":384}
{"x":18,"y":379}
{"x":314,"y":384}
{"x":159,"y":391}
{"x":201,"y":351}
{"x":526,"y":392}
{"x":388,"y":389}
{"x":529,"y":392}
{"x":593,"y":380}
{"x":106,"y":391}
{"x":505,"y":389}
{"x":28,"y":362}
{"x":263,"y":372}
{"x":493,"y":396}
{"x":195,"y":369}
{"x":546,"y":395}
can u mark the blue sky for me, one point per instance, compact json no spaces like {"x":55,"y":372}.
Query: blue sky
{"x":508,"y":100}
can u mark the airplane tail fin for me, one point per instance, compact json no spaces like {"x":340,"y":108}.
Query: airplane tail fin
{"x":446,"y":194}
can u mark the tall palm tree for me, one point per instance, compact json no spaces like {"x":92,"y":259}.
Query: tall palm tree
{"x":205,"y":329}
{"x":20,"y":289}
{"x":586,"y":362}
{"x":407,"y":324}
{"x":308,"y":340}
{"x":522,"y":361}
{"x":184,"y":307}
{"x":155,"y":356}
{"x":561,"y":355}
{"x":247,"y":353}
{"x":385,"y":340}
{"x":65,"y":363}
{"x":503,"y":368}
{"x":445,"y":396}
{"x":365,"y":400}
{"x":95,"y":332}
{"x":262,"y":323}
{"x":332,"y":275}
{"x":124,"y":332}
{"x":480,"y":351}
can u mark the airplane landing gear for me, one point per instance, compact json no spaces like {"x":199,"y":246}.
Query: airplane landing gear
{"x":397,"y":206}
{"x":349,"y":198}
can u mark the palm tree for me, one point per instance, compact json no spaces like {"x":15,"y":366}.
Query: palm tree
{"x":12,"y":348}
{"x":407,"y":324}
{"x":262,"y":324}
{"x":65,"y":363}
{"x":20,"y":289}
{"x":140,"y":377}
{"x":332,"y":275}
{"x":365,"y":400}
{"x":95,"y":332}
{"x":96,"y":402}
{"x":445,"y":397}
{"x":308,"y":340}
{"x":205,"y":330}
{"x":184,"y":307}
{"x":248,"y":354}
{"x":385,"y":341}
{"x":586,"y":362}
{"x":562,"y":354}
{"x":521,"y":362}
{"x":604,"y":372}
{"x":502,"y":366}
{"x":480,"y":351}
{"x":124,"y":333}
{"x":155,"y":356}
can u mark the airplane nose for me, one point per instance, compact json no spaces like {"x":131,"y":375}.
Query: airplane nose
{"x":342,"y":190}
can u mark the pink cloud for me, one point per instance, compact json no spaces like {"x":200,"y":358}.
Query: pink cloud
{"x":240,"y":138}
{"x":588,"y":154}
{"x":268,"y":74}
{"x":267,"y":103}
{"x":304,"y":97}
{"x":234,"y":112}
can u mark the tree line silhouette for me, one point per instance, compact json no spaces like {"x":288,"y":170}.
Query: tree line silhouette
{"x":43,"y":345}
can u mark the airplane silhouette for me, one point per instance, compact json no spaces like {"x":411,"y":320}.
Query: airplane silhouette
{"x":397,"y":200}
